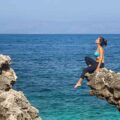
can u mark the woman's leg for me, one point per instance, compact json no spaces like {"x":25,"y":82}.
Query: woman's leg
{"x":89,"y":61}
{"x":89,"y":69}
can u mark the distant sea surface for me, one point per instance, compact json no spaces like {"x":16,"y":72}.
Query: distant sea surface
{"x":48,"y":67}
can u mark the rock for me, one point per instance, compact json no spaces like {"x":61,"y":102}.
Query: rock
{"x":13,"y":104}
{"x":7,"y":79}
{"x":105,"y":85}
{"x":7,"y":75}
{"x":16,"y":106}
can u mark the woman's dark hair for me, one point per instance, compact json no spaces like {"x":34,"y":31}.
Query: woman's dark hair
{"x":103,"y":42}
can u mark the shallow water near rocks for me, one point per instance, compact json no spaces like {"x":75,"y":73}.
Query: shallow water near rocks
{"x":48,"y":66}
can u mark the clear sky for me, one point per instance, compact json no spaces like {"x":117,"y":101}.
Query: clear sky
{"x":60,"y":16}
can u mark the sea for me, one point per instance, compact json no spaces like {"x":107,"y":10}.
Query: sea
{"x":49,"y":65}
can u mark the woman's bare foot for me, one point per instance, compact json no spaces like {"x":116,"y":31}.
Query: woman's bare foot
{"x":78,"y":84}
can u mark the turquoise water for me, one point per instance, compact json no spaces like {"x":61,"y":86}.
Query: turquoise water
{"x":48,"y":66}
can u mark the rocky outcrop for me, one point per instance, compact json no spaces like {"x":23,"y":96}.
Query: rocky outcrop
{"x":105,"y":85}
{"x":13,"y":104}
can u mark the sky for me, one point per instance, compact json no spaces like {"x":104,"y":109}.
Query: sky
{"x":60,"y":16}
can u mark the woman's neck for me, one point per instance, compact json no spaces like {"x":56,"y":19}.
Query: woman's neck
{"x":99,"y":46}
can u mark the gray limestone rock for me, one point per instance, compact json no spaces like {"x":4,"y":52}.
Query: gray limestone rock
{"x":13,"y":104}
{"x":105,"y":85}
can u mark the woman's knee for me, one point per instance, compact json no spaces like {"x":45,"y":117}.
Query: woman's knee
{"x":86,"y":59}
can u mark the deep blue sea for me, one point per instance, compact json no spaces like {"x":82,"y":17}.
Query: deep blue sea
{"x":48,"y":67}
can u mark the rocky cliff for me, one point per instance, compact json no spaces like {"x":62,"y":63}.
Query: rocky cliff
{"x":13,"y":104}
{"x":105,"y":85}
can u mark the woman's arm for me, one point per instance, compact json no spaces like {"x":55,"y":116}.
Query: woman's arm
{"x":100,"y":59}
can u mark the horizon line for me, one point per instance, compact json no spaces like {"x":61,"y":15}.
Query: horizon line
{"x":58,"y":33}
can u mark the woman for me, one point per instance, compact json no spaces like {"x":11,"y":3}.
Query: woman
{"x":92,"y":64}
